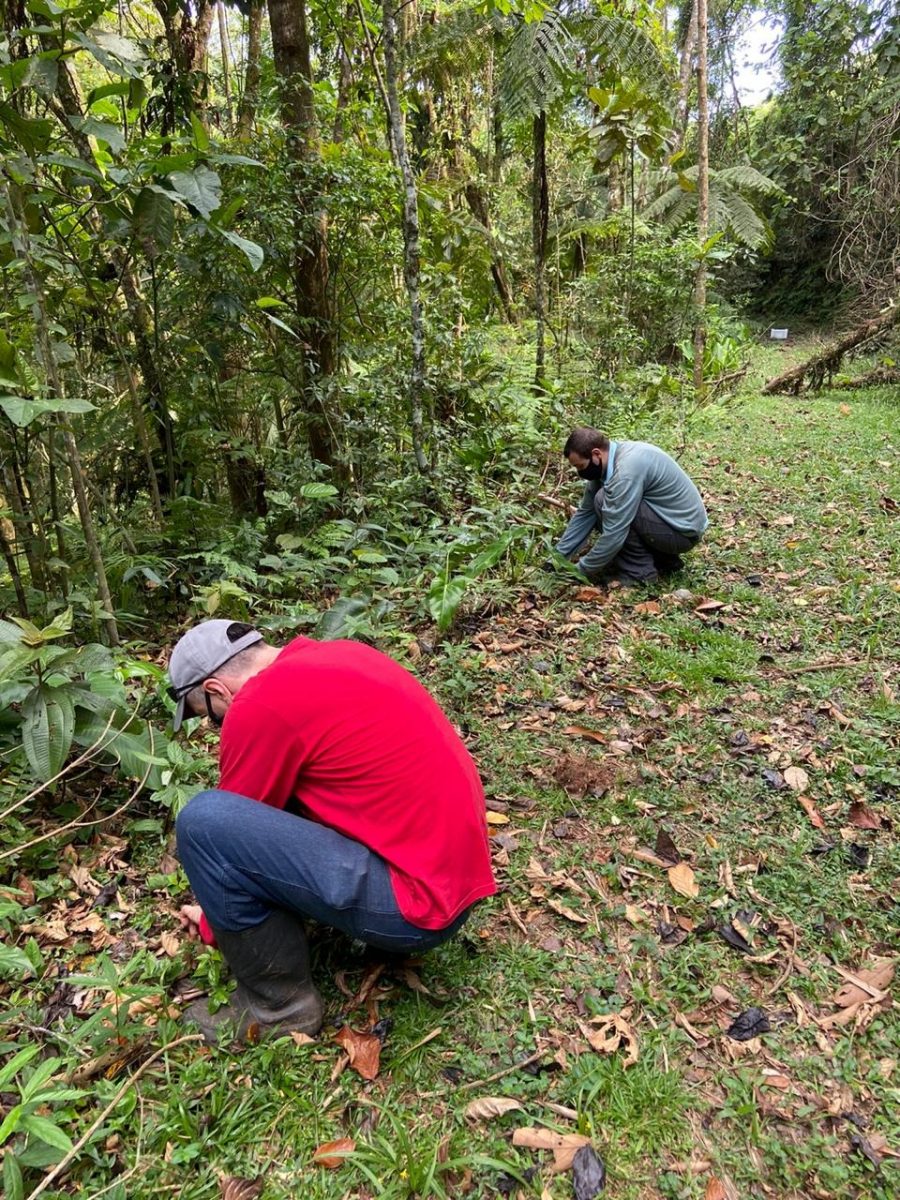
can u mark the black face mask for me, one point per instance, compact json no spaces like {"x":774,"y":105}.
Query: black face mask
{"x":214,"y":720}
{"x":593,"y":471}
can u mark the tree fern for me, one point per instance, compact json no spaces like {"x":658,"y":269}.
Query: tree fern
{"x":539,"y":57}
{"x":622,"y":44}
{"x":730,"y":210}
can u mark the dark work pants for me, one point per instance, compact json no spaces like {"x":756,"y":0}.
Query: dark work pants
{"x":652,"y":544}
{"x":244,"y":859}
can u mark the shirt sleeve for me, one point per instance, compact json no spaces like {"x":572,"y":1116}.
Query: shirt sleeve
{"x":621,"y":500}
{"x":260,"y":756}
{"x":581,"y":523}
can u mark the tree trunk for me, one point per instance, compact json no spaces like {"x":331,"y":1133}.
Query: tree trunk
{"x":223,"y":50}
{"x":26,"y":536}
{"x":539,"y":222}
{"x":684,"y":76}
{"x":250,"y":97}
{"x":140,"y":425}
{"x":6,"y":547}
{"x":315,"y":316}
{"x":410,"y":239}
{"x":142,"y":322}
{"x":702,"y":199}
{"x":55,"y":508}
{"x":478,"y":206}
{"x":19,"y":235}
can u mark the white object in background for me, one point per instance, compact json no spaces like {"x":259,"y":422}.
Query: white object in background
{"x":780,"y":335}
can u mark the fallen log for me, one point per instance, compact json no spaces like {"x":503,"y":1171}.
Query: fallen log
{"x":874,"y":378}
{"x":822,"y":366}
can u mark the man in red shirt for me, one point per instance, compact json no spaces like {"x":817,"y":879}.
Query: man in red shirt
{"x":345,"y":796}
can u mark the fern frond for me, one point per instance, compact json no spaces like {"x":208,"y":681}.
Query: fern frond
{"x":538,"y":57}
{"x":662,"y":204}
{"x":744,"y":223}
{"x":621,"y":43}
{"x":748,"y":179}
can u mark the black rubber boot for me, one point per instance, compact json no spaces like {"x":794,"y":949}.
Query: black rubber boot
{"x":274,"y":990}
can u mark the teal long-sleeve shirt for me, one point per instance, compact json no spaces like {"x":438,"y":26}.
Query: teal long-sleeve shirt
{"x":636,"y":472}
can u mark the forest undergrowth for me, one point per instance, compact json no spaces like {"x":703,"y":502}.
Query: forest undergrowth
{"x":690,"y":964}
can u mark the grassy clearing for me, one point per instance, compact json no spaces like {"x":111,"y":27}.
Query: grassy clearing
{"x":760,"y":733}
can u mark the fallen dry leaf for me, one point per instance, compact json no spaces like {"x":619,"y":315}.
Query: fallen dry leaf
{"x":815,"y":817}
{"x":234,"y":1188}
{"x":862,"y":816}
{"x":564,"y":1145}
{"x":583,"y":731}
{"x":715,"y":1190}
{"x":613,"y":1033}
{"x":682,"y":880}
{"x":486,"y":1108}
{"x":495,"y":818}
{"x":169,"y":943}
{"x":707,"y":606}
{"x":302,"y":1039}
{"x":796,"y":778}
{"x":333,"y":1154}
{"x":568,"y":913}
{"x":363,"y":1050}
{"x":878,"y":979}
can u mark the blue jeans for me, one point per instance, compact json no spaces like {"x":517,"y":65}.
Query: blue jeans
{"x":244,"y":859}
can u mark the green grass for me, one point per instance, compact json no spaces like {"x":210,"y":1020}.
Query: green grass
{"x":699,"y":706}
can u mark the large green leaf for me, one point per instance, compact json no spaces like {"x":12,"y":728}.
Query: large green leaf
{"x":16,"y":659}
{"x":31,"y":133}
{"x":46,"y":1131}
{"x":10,"y":634}
{"x":48,"y":722}
{"x":129,"y":740}
{"x":254,"y":253}
{"x":23,"y":411}
{"x":317,"y":491}
{"x":444,"y":598}
{"x":201,"y":188}
{"x":338,"y":620}
{"x":153,"y":220}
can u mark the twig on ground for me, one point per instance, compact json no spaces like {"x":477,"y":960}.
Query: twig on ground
{"x":95,"y":1125}
{"x":828,"y":664}
{"x":516,"y":919}
{"x":790,"y":962}
{"x":474,"y":1083}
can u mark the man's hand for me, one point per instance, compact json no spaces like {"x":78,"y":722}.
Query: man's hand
{"x":189,"y":916}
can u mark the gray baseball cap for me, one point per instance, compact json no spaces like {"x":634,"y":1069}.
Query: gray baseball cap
{"x":201,"y":652}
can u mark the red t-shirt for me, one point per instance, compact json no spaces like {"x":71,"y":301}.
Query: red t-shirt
{"x":364,"y":749}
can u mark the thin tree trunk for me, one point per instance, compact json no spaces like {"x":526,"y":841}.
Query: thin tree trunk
{"x":250,"y":97}
{"x":684,"y":76}
{"x":19,"y":234}
{"x":55,"y":509}
{"x":539,"y":221}
{"x":410,"y":239}
{"x":27,"y":533}
{"x":345,"y":79}
{"x":13,"y":567}
{"x":142,"y":322}
{"x":223,"y":48}
{"x":140,"y":425}
{"x":315,"y":316}
{"x":702,"y":198}
{"x":478,"y":206}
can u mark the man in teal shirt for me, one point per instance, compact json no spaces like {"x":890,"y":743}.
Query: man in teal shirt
{"x":647,"y":510}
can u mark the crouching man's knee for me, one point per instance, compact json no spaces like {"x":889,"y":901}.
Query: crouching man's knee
{"x":200,"y":814}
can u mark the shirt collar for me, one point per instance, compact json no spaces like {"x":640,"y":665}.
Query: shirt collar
{"x":610,"y":462}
